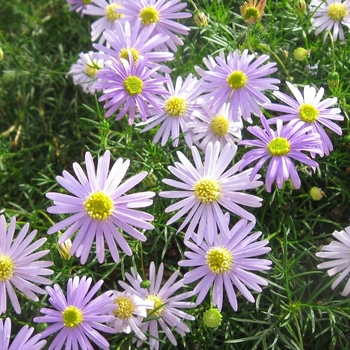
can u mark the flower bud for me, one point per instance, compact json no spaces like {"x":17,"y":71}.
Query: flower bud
{"x":300,"y":6}
{"x":301,"y":54}
{"x":1,"y":54}
{"x":212,"y":318}
{"x":145,"y":284}
{"x":316,"y":194}
{"x":200,"y":18}
{"x":64,"y":249}
{"x":253,"y":11}
{"x":333,"y":80}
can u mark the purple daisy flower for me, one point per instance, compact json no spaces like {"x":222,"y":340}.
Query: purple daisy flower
{"x":208,"y":187}
{"x":78,"y":5}
{"x":227,"y":262}
{"x":239,"y":82}
{"x":311,"y":110}
{"x":19,"y":267}
{"x":163,"y":15}
{"x":331,"y":14}
{"x":85,"y":70}
{"x":166,"y":313}
{"x":77,"y":318}
{"x":177,"y":111}
{"x":22,"y":340}
{"x":124,"y":39}
{"x":109,"y":11}
{"x":130,"y":86}
{"x":282,"y":145}
{"x":339,"y":253}
{"x":100,"y":208}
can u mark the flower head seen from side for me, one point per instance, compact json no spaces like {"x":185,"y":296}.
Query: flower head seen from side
{"x":311,"y":110}
{"x":19,"y":266}
{"x":78,"y":5}
{"x":338,"y":253}
{"x":23,"y":339}
{"x":280,"y":146}
{"x":253,"y":11}
{"x":130,"y":311}
{"x":130,"y":88}
{"x":177,"y":110}
{"x":332,"y":14}
{"x":205,"y":188}
{"x":84,"y":71}
{"x":227,"y":262}
{"x":167,"y":311}
{"x":240,"y":81}
{"x":100,"y":208}
{"x":108,"y":10}
{"x":208,"y":126}
{"x":125,"y":39}
{"x":77,"y":317}
{"x":162,"y":15}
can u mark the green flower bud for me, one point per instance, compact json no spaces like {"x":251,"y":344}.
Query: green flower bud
{"x":145,"y":284}
{"x":301,"y":54}
{"x":212,"y":318}
{"x":200,"y":18}
{"x":333,"y":80}
{"x":64,"y":249}
{"x":300,"y":6}
{"x":1,"y":54}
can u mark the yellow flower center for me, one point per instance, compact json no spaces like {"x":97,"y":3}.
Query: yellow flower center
{"x":337,"y":11}
{"x":176,"y":106}
{"x":149,"y":15}
{"x":237,"y":80}
{"x":133,"y":85}
{"x":219,"y":259}
{"x":125,"y":308}
{"x":212,"y":318}
{"x":6,"y":267}
{"x":207,"y":190}
{"x":158,"y":305}
{"x":124,"y":53}
{"x":251,"y":12}
{"x":72,"y":317}
{"x":99,"y":205}
{"x":220,"y":125}
{"x":279,"y":146}
{"x":111,"y":14}
{"x":91,"y":71}
{"x":308,"y":113}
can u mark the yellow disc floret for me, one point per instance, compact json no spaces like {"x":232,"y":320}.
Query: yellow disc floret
{"x":308,"y":113}
{"x":124,"y":53}
{"x":237,"y":80}
{"x":125,"y":308}
{"x":99,"y":205}
{"x":91,"y":71}
{"x":72,"y":317}
{"x":149,"y":15}
{"x":133,"y":85}
{"x":176,"y":106}
{"x":111,"y":14}
{"x":279,"y":146}
{"x":207,"y":190}
{"x":337,"y":11}
{"x":219,"y":259}
{"x":158,"y":305}
{"x":6,"y":267}
{"x":220,"y":125}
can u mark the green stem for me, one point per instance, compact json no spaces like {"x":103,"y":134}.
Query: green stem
{"x":299,"y":332}
{"x":333,"y":50}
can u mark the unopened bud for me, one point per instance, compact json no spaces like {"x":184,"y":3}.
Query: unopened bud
{"x":333,"y":80}
{"x":1,"y":54}
{"x":145,"y":284}
{"x":301,"y":54}
{"x":316,"y":193}
{"x":64,"y":249}
{"x":300,"y":6}
{"x":212,"y":318}
{"x":200,"y":18}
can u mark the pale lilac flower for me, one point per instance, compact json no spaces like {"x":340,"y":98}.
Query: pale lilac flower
{"x":332,"y":14}
{"x":100,"y":208}
{"x":280,"y":146}
{"x":84,"y":71}
{"x":77,"y":317}
{"x":177,"y":110}
{"x":22,"y":340}
{"x":130,"y":88}
{"x":339,"y":253}
{"x":208,"y":126}
{"x":166,"y":313}
{"x":227,"y":262}
{"x":78,"y":5}
{"x":206,"y":187}
{"x":109,"y":11}
{"x":19,"y":267}
{"x":163,"y":15}
{"x":124,"y":39}
{"x":238,"y":81}
{"x":130,"y":311}
{"x":311,"y":110}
